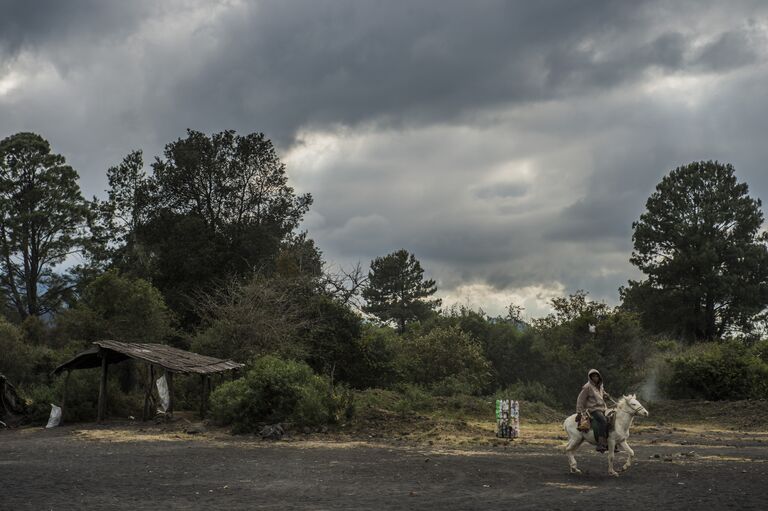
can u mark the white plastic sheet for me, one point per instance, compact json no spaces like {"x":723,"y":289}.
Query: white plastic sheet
{"x":162,"y":391}
{"x":55,"y":418}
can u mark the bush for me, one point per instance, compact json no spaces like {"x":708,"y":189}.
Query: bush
{"x":760,"y":350}
{"x":413,"y":398}
{"x":276,"y":390}
{"x":21,"y":362}
{"x":716,"y":372}
{"x":377,"y":351}
{"x":447,"y":359}
{"x":262,"y":316}
{"x":534,"y":392}
{"x":114,"y":306}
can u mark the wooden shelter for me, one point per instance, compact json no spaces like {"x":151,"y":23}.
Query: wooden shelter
{"x":171,"y":360}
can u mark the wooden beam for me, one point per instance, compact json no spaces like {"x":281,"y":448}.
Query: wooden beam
{"x":169,"y":379}
{"x":102,"y":387}
{"x":64,"y":397}
{"x":202,"y":396}
{"x":148,"y":391}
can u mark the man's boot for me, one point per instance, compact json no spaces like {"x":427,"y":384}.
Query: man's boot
{"x":602,"y":444}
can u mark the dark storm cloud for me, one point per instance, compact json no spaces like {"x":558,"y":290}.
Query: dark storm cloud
{"x":320,"y":62}
{"x":594,"y":219}
{"x":507,"y":143}
{"x":40,"y":24}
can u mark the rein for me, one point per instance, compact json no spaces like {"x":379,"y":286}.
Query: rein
{"x":633,"y":411}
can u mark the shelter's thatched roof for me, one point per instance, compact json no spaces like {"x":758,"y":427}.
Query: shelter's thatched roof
{"x":167,"y":357}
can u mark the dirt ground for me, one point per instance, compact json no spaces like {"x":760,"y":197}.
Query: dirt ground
{"x":135,"y":466}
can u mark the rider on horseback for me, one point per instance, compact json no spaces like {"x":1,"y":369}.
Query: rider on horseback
{"x":592,"y":401}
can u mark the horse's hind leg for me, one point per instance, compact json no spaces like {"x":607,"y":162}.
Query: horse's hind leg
{"x":630,"y":455}
{"x":611,"y":446}
{"x":573,"y":444}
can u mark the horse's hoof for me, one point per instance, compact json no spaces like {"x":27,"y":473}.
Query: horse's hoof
{"x":575,"y":471}
{"x":614,"y":474}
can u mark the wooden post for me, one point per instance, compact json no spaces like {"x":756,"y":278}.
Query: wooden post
{"x":148,"y":391}
{"x":169,"y":379}
{"x":64,"y":396}
{"x":203,"y":396}
{"x":103,"y":387}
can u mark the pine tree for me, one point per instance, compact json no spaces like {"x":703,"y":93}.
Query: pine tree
{"x":397,"y":291}
{"x":700,"y":244}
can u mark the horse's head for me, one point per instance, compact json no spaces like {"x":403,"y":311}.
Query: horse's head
{"x":633,"y":406}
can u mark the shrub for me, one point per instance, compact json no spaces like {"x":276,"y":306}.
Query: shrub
{"x":446,"y":358}
{"x":114,"y":306}
{"x":534,"y":392}
{"x":21,"y":362}
{"x":760,"y":350}
{"x":15,"y":355}
{"x":276,"y":390}
{"x":262,"y":316}
{"x":413,"y":398}
{"x":716,"y":372}
{"x":376,"y":365}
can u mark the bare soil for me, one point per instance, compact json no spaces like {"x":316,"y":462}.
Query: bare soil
{"x":427,"y":464}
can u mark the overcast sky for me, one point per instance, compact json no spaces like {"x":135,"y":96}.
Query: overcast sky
{"x":508,"y":144}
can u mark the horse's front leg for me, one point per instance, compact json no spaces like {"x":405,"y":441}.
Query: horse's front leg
{"x":611,"y":447}
{"x":573,"y":444}
{"x":630,"y":457}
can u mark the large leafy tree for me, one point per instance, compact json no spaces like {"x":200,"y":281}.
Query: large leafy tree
{"x":701,"y":246}
{"x":213,"y":207}
{"x":128,"y":207}
{"x":113,"y":306}
{"x":42,"y":222}
{"x":397,"y":291}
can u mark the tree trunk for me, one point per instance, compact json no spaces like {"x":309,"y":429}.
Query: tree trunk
{"x":709,"y":318}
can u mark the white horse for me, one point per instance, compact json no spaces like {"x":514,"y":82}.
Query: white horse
{"x":627,"y":409}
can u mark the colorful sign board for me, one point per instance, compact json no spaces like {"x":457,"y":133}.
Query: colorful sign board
{"x":507,"y":418}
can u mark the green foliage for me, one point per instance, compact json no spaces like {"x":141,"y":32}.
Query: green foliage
{"x":127,"y":208}
{"x":618,"y":347}
{"x":263,"y":315}
{"x":531,"y":391}
{"x":760,"y":350}
{"x":665,"y":345}
{"x":332,"y":338}
{"x":510,"y":350}
{"x":115,"y":306}
{"x":290,"y":316}
{"x":379,"y":350}
{"x":716,"y":372}
{"x":396,"y":290}
{"x":21,"y":362}
{"x":214,"y":207}
{"x":42,"y":221}
{"x":275,"y":390}
{"x":700,"y":244}
{"x":446,"y":358}
{"x":413,"y":399}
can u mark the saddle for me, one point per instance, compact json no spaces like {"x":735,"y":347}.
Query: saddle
{"x":585,"y":422}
